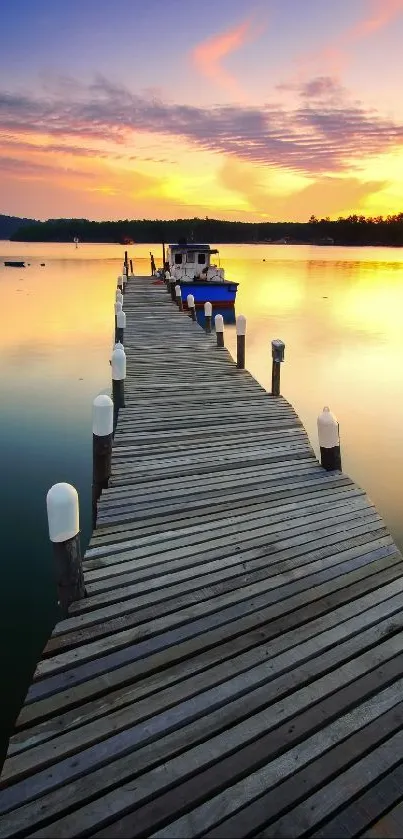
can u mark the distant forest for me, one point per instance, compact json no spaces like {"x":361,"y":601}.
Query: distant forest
{"x":353,"y":230}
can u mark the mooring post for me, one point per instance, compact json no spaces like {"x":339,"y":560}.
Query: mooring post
{"x":219,"y":330}
{"x":120,"y":282}
{"x":191,"y":306}
{"x":208,"y":311}
{"x":120,"y":325}
{"x":178,"y":297}
{"x":167,"y":279}
{"x":277,"y":351}
{"x":118,"y":362}
{"x":102,"y":433}
{"x":172,"y":284}
{"x":131,"y":268}
{"x":329,"y":441}
{"x":119,"y":296}
{"x":64,"y":533}
{"x":118,"y":308}
{"x":126,"y":265}
{"x":240,"y":341}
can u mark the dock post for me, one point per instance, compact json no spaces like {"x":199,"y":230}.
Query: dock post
{"x":277,"y":351}
{"x":120,"y":282}
{"x":172,"y":284}
{"x":219,"y":330}
{"x":119,"y":296}
{"x":208,"y":311}
{"x":178,"y":297}
{"x":131,"y":268}
{"x":102,"y":433}
{"x":118,"y":362}
{"x":64,"y":533}
{"x":191,"y":306}
{"x":118,"y":308}
{"x":240,"y":341}
{"x":329,"y":441}
{"x":126,"y":271}
{"x":120,"y":325}
{"x":167,"y":279}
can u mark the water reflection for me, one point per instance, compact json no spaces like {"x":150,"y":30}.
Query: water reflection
{"x":338,"y":311}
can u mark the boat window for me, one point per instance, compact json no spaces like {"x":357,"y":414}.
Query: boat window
{"x":190,"y":257}
{"x":178,"y":259}
{"x":201,"y":258}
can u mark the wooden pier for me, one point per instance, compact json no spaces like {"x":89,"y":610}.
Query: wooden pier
{"x":237,"y":666}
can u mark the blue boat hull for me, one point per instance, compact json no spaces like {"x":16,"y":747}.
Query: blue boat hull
{"x":218,"y":294}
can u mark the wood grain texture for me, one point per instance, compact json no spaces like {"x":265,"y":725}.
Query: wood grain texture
{"x":236,"y":668}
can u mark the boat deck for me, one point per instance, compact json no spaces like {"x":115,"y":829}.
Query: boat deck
{"x":237,"y":666}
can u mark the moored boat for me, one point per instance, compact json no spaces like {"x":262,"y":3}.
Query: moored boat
{"x":192,"y":267}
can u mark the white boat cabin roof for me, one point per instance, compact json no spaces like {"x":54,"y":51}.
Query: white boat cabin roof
{"x":191,"y":246}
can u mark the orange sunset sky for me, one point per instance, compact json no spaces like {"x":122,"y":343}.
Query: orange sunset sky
{"x":264,"y":110}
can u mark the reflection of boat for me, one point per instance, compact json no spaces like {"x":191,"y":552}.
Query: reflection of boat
{"x":190,"y":264}
{"x":14,"y":264}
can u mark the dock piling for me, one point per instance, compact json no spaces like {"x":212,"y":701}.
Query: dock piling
{"x":118,"y":308}
{"x":64,"y":533}
{"x":208,"y":311}
{"x":191,"y":306}
{"x":329,"y":441}
{"x":120,"y":325}
{"x":119,"y":296}
{"x":219,"y":330}
{"x":172,"y":284}
{"x":118,"y":362}
{"x":277,"y":351}
{"x":102,"y":433}
{"x":131,"y":268}
{"x":120,"y":282}
{"x":240,"y":341}
{"x":178,"y":297}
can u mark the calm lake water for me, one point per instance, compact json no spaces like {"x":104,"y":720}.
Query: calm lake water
{"x":339,"y":311}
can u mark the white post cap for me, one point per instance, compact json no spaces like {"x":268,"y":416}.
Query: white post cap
{"x":118,"y":307}
{"x":219,"y":323}
{"x":328,"y":430}
{"x":121,"y":320}
{"x":63,"y":512}
{"x":118,"y":346}
{"x":120,"y":279}
{"x":102,"y":415}
{"x":178,"y":291}
{"x":241,"y":325}
{"x":118,"y":361}
{"x":208,"y":309}
{"x":190,"y":301}
{"x":119,"y":296}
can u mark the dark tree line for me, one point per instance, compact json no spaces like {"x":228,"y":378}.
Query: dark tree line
{"x":353,"y":230}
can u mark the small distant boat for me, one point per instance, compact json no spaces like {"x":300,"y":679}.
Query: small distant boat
{"x":14,"y":264}
{"x":191,"y":266}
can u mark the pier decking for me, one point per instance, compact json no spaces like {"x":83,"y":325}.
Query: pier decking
{"x":237,"y":666}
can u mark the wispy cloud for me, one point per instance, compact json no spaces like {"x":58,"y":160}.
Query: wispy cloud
{"x":208,"y":56}
{"x":380,"y":14}
{"x":334,"y":56}
{"x":325,"y":132}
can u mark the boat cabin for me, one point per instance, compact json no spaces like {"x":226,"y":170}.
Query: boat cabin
{"x":191,"y":260}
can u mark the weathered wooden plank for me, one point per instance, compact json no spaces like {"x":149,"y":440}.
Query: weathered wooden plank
{"x":240,"y":650}
{"x":228,"y":639}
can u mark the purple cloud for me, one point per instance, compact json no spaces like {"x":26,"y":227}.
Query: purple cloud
{"x":324,"y":132}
